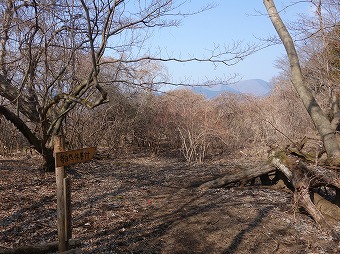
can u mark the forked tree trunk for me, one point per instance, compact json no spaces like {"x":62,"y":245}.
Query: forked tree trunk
{"x":320,"y":119}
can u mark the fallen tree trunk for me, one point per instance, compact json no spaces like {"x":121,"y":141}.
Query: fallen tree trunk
{"x":327,"y":208}
{"x":325,"y":175}
{"x":45,"y":248}
{"x":302,"y":179}
{"x":242,"y":173}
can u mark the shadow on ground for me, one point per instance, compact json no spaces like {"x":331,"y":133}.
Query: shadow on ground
{"x":147,"y":205}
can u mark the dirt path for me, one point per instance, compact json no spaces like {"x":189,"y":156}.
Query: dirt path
{"x":148,"y":205}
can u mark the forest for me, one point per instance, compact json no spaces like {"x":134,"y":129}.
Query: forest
{"x":173,"y":169}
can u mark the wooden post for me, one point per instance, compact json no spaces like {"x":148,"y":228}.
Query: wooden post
{"x":68,"y":210}
{"x":59,"y":146}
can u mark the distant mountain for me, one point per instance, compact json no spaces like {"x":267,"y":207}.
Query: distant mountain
{"x":255,"y":87}
{"x":211,"y":92}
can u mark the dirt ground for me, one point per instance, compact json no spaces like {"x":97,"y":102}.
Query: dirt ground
{"x":152,"y":205}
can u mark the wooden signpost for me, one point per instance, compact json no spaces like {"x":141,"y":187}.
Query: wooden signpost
{"x":65,"y":158}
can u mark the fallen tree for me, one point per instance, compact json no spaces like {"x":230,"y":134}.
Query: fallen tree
{"x":302,"y":178}
{"x":44,"y":248}
{"x":242,"y":173}
{"x":305,"y":179}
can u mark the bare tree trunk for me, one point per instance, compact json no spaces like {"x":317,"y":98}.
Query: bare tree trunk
{"x":37,"y":143}
{"x":320,"y":119}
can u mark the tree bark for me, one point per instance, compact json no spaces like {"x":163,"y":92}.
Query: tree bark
{"x":320,"y":119}
{"x":49,"y":162}
{"x":325,"y":176}
{"x":241,"y":174}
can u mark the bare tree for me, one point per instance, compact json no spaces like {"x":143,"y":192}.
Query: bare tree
{"x":323,"y":124}
{"x":55,"y":55}
{"x":320,"y":56}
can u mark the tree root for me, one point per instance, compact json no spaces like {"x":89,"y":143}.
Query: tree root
{"x":303,"y":178}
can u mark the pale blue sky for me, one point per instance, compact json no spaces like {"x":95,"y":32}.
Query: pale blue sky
{"x":229,"y":21}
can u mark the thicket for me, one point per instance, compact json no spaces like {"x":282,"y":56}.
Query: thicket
{"x":183,"y":124}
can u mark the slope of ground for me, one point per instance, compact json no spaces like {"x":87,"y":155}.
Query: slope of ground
{"x":151,"y":205}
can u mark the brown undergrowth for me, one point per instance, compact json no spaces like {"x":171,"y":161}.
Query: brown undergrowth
{"x":152,"y":205}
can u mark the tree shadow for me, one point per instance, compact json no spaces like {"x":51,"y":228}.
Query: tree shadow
{"x":20,"y":222}
{"x":262,"y":213}
{"x":144,"y":235}
{"x":129,"y":232}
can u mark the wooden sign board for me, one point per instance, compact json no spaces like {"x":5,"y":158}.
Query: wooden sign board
{"x":74,"y":156}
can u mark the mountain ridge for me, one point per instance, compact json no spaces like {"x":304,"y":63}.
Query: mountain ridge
{"x":254,"y":87}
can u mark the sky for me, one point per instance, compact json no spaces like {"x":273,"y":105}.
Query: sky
{"x":228,"y":22}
